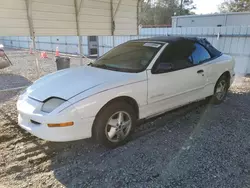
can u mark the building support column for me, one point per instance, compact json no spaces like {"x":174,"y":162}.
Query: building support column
{"x":77,"y":13}
{"x":32,"y":33}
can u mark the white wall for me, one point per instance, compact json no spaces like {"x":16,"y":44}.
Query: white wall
{"x":212,"y":20}
{"x":13,"y":18}
{"x":95,"y":17}
{"x":54,"y":17}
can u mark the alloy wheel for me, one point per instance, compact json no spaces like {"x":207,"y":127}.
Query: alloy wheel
{"x":118,"y":126}
{"x":221,"y":90}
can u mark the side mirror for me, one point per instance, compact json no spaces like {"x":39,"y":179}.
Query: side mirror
{"x":164,"y":67}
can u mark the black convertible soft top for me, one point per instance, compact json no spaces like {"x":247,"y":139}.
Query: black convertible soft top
{"x":170,"y":39}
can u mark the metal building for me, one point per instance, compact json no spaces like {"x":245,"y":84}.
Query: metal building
{"x":212,"y":20}
{"x":68,"y":17}
{"x":41,"y":18}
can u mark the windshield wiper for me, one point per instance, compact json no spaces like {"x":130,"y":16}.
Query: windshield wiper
{"x":104,"y":66}
{"x":99,"y":65}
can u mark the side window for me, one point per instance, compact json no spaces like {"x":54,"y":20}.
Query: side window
{"x":175,"y":56}
{"x":199,"y":55}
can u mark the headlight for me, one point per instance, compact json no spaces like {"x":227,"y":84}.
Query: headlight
{"x":52,"y":104}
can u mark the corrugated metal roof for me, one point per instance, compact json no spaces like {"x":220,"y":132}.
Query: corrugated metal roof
{"x":58,"y":17}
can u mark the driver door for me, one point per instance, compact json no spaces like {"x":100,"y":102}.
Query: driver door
{"x":174,"y":80}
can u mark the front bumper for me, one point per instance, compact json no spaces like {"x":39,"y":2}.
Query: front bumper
{"x":36,"y":122}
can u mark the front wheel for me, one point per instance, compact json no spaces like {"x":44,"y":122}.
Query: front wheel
{"x":114,"y":124}
{"x":220,"y":90}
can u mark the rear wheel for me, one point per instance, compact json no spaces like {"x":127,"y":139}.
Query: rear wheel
{"x":114,"y":124}
{"x":220,"y":90}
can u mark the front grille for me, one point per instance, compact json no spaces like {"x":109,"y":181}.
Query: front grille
{"x":35,"y":122}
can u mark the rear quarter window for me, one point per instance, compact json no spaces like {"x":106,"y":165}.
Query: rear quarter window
{"x":200,"y":54}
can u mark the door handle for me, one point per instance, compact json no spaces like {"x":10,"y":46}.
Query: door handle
{"x":200,"y":71}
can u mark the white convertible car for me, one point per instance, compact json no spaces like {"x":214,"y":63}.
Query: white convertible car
{"x":136,"y":80}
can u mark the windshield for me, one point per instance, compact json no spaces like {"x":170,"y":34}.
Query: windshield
{"x":129,"y":57}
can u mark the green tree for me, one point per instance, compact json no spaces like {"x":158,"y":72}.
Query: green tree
{"x":235,"y":6}
{"x":187,"y":7}
{"x":160,"y":12}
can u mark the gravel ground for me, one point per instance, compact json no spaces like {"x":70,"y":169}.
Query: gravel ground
{"x":24,"y":66}
{"x":199,"y":145}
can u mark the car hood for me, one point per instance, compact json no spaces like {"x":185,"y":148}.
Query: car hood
{"x":68,"y":83}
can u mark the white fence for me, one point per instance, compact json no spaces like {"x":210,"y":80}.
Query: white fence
{"x":234,"y":41}
{"x":66,"y":44}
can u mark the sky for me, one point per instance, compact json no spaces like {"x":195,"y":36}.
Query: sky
{"x":207,"y":6}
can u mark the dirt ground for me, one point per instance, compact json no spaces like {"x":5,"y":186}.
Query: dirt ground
{"x":199,"y":145}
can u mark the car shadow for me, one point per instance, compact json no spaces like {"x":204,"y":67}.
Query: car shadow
{"x":156,"y":141}
{"x":163,"y":138}
{"x":81,"y":163}
{"x":11,"y":85}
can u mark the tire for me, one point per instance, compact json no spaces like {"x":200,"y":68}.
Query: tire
{"x":107,"y":129}
{"x":219,"y":97}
